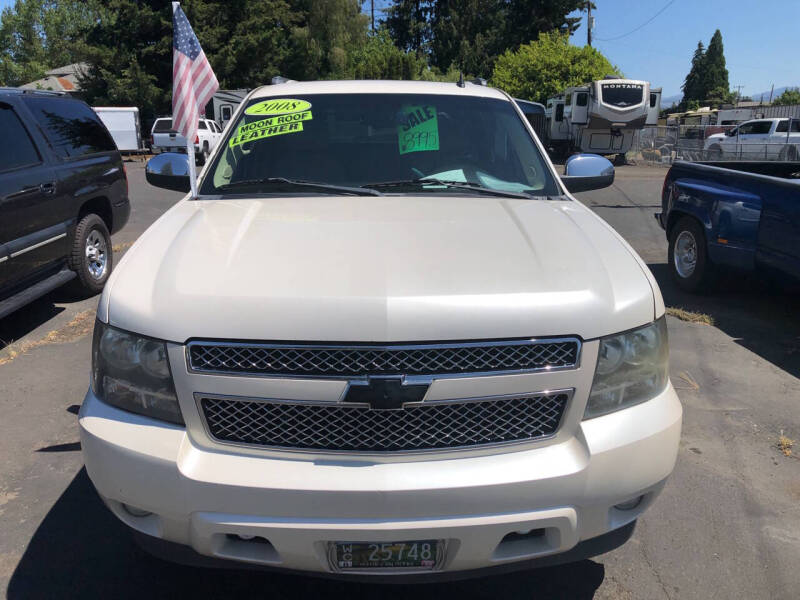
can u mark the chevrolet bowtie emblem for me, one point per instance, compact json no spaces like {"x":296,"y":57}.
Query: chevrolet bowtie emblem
{"x":384,"y":393}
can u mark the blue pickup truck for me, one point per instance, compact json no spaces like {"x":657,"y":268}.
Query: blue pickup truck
{"x":734,"y":215}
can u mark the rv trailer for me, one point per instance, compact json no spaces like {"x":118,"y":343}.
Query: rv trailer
{"x":224,"y":104}
{"x":122,"y":123}
{"x":601,"y":116}
{"x":535,"y":113}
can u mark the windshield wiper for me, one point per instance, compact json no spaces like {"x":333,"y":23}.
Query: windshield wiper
{"x":283,"y":181}
{"x":423,"y":181}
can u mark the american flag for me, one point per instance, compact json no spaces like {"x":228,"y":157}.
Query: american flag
{"x":193,"y":80}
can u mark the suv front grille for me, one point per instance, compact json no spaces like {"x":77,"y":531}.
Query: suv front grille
{"x":320,"y":360}
{"x":356,"y":427}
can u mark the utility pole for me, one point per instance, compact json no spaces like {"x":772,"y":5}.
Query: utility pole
{"x":372,"y":10}
{"x":589,"y":23}
{"x":771,"y":92}
{"x":738,"y":93}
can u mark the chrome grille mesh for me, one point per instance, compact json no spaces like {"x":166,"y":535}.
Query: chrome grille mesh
{"x":421,"y":426}
{"x":349,"y":361}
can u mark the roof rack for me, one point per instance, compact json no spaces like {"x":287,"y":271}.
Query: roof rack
{"x":18,"y":90}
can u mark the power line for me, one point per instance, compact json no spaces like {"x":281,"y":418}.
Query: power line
{"x":650,"y":20}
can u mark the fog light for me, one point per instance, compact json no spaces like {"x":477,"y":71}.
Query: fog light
{"x":136,"y":512}
{"x":630,"y":504}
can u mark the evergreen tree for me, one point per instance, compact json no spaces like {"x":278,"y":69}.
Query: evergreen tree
{"x":471,"y":34}
{"x":692,"y":85}
{"x":714,"y":74}
{"x":526,"y":19}
{"x":408,"y":24}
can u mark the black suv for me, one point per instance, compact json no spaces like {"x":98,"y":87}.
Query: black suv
{"x":63,"y":190}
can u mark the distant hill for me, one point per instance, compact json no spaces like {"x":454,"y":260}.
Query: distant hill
{"x":778,"y":91}
{"x":668,"y":101}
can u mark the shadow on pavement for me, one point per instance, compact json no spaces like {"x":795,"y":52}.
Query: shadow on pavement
{"x":24,"y":320}
{"x":82,"y":550}
{"x":757,"y":313}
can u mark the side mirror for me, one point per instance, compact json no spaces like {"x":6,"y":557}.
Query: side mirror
{"x":584,"y":172}
{"x":169,"y":171}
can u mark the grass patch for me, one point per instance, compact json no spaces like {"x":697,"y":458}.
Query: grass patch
{"x":690,"y":316}
{"x":687,"y":378}
{"x":80,"y":326}
{"x":122,"y":246}
{"x":785,"y":444}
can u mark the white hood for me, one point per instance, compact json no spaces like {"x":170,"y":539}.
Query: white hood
{"x":352,"y":268}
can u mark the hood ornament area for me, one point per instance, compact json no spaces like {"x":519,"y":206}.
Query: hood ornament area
{"x":384,"y":393}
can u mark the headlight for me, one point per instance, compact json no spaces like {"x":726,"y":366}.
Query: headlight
{"x":631,"y":368}
{"x":132,"y":373}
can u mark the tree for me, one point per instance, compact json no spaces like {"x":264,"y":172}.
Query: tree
{"x":408,"y":24}
{"x":719,"y":96}
{"x":543,"y":68}
{"x":526,"y":19}
{"x":469,"y":35}
{"x":692,"y":85}
{"x":789,"y":96}
{"x":328,"y":30}
{"x":129,"y":50}
{"x":379,"y":58}
{"x":39,"y":35}
{"x":714,"y":75}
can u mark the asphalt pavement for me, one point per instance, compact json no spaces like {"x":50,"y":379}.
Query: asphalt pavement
{"x":726,"y":526}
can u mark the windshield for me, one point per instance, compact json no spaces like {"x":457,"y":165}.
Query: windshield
{"x":357,"y":140}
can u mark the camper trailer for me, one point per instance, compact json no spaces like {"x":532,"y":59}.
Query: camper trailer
{"x":122,"y":123}
{"x":601,"y":117}
{"x":224,"y":104}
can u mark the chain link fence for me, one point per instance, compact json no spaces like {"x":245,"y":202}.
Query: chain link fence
{"x":664,"y":144}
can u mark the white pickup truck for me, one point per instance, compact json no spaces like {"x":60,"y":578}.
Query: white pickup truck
{"x":759,"y":139}
{"x":383,"y":341}
{"x":164,"y":138}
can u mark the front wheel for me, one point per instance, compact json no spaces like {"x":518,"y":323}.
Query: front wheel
{"x":91,"y":256}
{"x":688,"y":256}
{"x":714,"y":153}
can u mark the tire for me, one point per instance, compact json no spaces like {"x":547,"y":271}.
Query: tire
{"x":689,"y":264}
{"x":620,"y":160}
{"x":205,"y":154}
{"x":715,"y":153}
{"x":91,"y":256}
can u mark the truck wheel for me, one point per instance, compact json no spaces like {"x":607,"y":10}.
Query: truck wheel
{"x":620,"y":160}
{"x":91,"y":256}
{"x":788,"y":153}
{"x":206,"y":153}
{"x":688,"y":256}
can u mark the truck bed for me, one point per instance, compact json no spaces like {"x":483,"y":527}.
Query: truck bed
{"x":772,"y":168}
{"x":749,"y":211}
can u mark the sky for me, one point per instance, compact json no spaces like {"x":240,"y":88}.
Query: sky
{"x":760,"y":39}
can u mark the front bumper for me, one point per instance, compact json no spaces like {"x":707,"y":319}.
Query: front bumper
{"x":204,"y":497}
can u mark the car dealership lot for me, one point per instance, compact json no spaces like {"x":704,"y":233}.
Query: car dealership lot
{"x":727,"y":525}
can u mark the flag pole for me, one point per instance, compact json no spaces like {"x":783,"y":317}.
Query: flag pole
{"x":193,"y":85}
{"x":192,"y":167}
{"x":189,"y":142}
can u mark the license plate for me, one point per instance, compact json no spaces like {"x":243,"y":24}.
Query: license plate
{"x":419,"y":555}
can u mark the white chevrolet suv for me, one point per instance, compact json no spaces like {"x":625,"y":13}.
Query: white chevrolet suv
{"x":383,"y":341}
